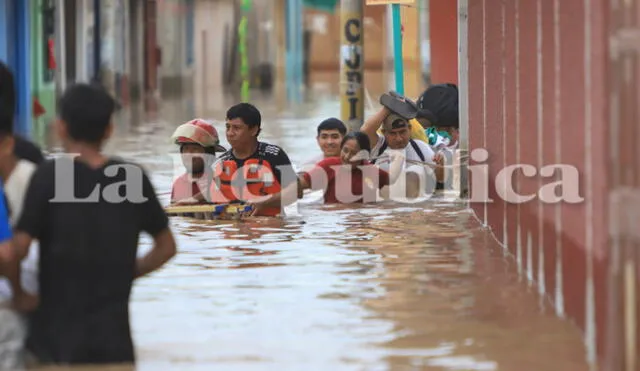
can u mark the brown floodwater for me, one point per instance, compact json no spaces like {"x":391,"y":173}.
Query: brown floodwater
{"x":375,"y":287}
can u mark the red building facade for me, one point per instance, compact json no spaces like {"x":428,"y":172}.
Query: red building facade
{"x":549,"y":82}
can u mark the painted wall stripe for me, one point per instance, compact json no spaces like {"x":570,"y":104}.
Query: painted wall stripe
{"x":463,"y":84}
{"x":590,"y":325}
{"x":505,"y":232}
{"x":541,"y":280}
{"x":559,"y":292}
{"x":517,"y":180}
{"x":484,"y":88}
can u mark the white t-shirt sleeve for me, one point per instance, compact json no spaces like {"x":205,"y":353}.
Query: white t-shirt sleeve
{"x":376,"y":147}
{"x":427,"y":152}
{"x":16,"y":187}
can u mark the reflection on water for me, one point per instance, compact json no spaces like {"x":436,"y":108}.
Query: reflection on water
{"x":371,"y":287}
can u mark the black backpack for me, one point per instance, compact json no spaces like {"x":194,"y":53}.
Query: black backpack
{"x":441,"y":100}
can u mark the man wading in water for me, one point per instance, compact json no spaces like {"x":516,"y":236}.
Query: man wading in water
{"x":199,"y":142}
{"x":396,"y":135}
{"x":330,"y":134}
{"x":251,"y":168}
{"x":349,"y":178}
{"x":87,"y":248}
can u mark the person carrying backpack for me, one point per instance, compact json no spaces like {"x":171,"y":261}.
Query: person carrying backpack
{"x":396,"y":135}
{"x":439,"y":103}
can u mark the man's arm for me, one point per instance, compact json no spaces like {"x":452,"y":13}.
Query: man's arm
{"x":32,"y":224}
{"x":154,"y":221}
{"x":295,"y":190}
{"x":164,"y":248}
{"x":7,"y":252}
{"x":396,"y":165}
{"x":372,"y":124}
{"x":15,"y":250}
{"x":281,"y":199}
{"x":282,"y":167}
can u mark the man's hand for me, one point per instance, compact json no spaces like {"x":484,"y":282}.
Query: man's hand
{"x":7,"y":253}
{"x":396,"y":155}
{"x":439,"y":159}
{"x":259,"y":204}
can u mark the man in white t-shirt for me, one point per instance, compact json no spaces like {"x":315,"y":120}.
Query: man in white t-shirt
{"x":15,"y":187}
{"x":15,"y":174}
{"x":396,"y":135}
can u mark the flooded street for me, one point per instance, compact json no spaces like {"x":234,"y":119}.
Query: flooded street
{"x":382,"y":287}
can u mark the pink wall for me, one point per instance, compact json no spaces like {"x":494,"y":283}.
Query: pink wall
{"x":540,"y":78}
{"x":443,"y":31}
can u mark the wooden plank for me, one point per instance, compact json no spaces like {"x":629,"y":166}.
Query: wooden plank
{"x":208,"y":209}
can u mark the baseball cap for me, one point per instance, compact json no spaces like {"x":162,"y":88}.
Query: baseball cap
{"x":394,"y":121}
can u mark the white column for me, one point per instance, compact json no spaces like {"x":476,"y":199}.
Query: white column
{"x":463,"y":88}
{"x":62,"y":46}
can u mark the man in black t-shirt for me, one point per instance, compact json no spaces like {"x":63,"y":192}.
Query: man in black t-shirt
{"x":250,"y":169}
{"x":87,"y":213}
{"x":27,"y":150}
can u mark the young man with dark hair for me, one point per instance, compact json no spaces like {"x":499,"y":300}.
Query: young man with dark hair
{"x":251,"y":168}
{"x":88,"y":233}
{"x":22,"y":148}
{"x":330,"y":134}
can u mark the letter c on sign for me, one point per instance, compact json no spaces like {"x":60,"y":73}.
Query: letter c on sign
{"x":352,"y":37}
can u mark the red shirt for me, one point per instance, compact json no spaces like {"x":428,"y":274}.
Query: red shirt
{"x":186,"y":187}
{"x":344,"y":183}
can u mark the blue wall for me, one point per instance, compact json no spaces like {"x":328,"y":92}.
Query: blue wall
{"x":4,"y":30}
{"x":14,"y":51}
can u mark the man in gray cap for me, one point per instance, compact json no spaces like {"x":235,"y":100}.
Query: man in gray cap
{"x":396,"y":136}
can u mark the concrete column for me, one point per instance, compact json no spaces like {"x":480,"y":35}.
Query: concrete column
{"x":352,"y":64}
{"x":281,"y":52}
{"x":294,"y":49}
{"x":62,"y":48}
{"x":410,"y":19}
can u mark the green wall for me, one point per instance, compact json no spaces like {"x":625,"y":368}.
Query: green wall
{"x":42,"y":86}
